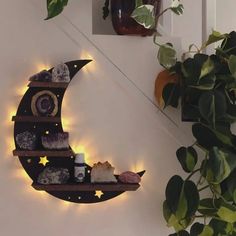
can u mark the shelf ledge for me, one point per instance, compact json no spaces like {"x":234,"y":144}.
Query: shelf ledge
{"x":36,"y":119}
{"x":36,"y":84}
{"x":39,"y":153}
{"x":86,"y":187}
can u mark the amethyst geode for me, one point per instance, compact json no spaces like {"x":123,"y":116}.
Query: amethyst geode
{"x":56,"y":141}
{"x":26,"y":140}
{"x":42,"y":76}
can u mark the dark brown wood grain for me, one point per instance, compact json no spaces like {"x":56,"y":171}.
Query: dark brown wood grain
{"x":86,"y":187}
{"x":39,"y":153}
{"x":47,"y":85}
{"x":36,"y":119}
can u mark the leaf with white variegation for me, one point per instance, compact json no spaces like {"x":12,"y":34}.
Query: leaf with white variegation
{"x":145,"y":16}
{"x":55,"y":7}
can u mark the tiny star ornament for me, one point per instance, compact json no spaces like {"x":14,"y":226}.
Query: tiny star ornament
{"x":43,"y":161}
{"x":99,"y":194}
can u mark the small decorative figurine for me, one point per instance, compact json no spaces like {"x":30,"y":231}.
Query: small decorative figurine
{"x":26,"y":140}
{"x":42,"y":76}
{"x":53,"y":175}
{"x":79,"y":169}
{"x":103,"y":173}
{"x":56,"y":141}
{"x":129,"y":178}
{"x":61,"y":73}
{"x":44,"y":103}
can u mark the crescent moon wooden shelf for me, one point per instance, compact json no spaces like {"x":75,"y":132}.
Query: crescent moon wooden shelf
{"x":25,"y":120}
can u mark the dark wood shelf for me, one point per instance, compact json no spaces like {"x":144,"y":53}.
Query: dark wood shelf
{"x":86,"y":187}
{"x":40,"y":153}
{"x":36,"y":119}
{"x":35,"y":84}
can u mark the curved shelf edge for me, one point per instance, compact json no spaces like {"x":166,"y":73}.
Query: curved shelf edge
{"x":86,"y":187}
{"x":36,"y":119}
{"x":35,"y":84}
{"x":39,"y":153}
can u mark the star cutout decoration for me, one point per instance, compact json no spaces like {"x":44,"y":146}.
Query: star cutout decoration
{"x":43,"y":161}
{"x":99,"y":194}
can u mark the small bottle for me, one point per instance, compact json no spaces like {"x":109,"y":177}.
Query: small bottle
{"x":79,"y":169}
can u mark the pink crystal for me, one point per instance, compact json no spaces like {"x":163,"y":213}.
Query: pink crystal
{"x":129,"y":177}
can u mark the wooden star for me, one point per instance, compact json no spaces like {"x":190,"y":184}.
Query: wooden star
{"x":43,"y":161}
{"x":99,"y":194}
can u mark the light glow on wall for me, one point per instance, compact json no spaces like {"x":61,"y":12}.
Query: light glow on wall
{"x":43,"y":66}
{"x":90,"y":67}
{"x":81,"y":146}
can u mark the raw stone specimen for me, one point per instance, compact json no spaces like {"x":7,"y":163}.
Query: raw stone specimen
{"x":44,"y":103}
{"x":61,"y":73}
{"x":129,"y":178}
{"x":56,"y":141}
{"x":26,"y":140}
{"x":42,"y":76}
{"x":103,"y":173}
{"x":53,"y":175}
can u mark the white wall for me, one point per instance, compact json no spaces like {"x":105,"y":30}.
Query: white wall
{"x":109,"y":110}
{"x":225,"y":15}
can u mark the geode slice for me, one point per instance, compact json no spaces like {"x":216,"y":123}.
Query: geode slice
{"x":26,"y":140}
{"x":44,"y":103}
{"x":53,"y":175}
{"x":61,"y":73}
{"x":42,"y":76}
{"x":56,"y":141}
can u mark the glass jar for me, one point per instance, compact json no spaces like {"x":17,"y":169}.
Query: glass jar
{"x":122,"y":21}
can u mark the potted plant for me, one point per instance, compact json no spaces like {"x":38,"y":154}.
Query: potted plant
{"x":129,"y":17}
{"x":123,"y":15}
{"x":205,"y":85}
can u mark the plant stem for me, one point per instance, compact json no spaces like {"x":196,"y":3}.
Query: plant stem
{"x":200,"y":216}
{"x":203,"y":167}
{"x":194,"y":172}
{"x":138,"y":3}
{"x":201,"y":147}
{"x":203,"y":188}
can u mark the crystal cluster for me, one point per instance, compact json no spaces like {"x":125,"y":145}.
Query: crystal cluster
{"x":129,"y":178}
{"x":103,"y":173}
{"x":61,"y":73}
{"x":26,"y":140}
{"x":42,"y":76}
{"x":56,"y":141}
{"x":53,"y":175}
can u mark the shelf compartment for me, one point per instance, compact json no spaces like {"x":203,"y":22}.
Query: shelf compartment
{"x":36,"y":84}
{"x":86,"y":187}
{"x":35,"y":119}
{"x":40,"y":153}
